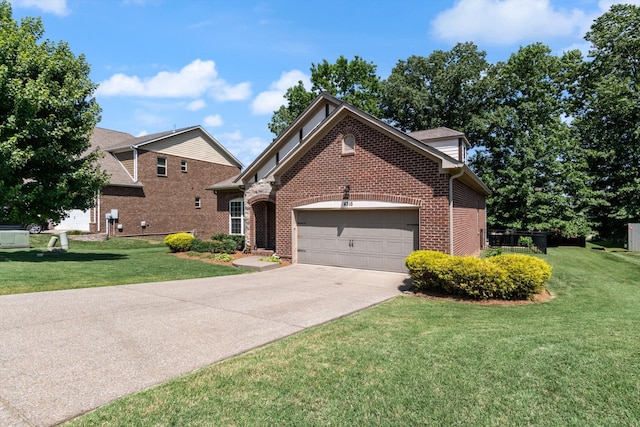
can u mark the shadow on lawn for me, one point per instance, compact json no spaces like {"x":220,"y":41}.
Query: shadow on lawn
{"x":39,"y":256}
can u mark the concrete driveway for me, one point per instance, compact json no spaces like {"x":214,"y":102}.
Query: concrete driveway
{"x":64,"y":353}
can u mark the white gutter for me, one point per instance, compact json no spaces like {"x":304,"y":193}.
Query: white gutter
{"x":451,"y":178}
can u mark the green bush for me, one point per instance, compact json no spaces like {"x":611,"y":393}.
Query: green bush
{"x":526,"y":274}
{"x":199,"y":245}
{"x":473,"y":277}
{"x":238,"y":239}
{"x":225,"y":246}
{"x":426,"y":268}
{"x":179,"y":242}
{"x":504,"y":276}
{"x":222,"y":257}
{"x":525,"y":241}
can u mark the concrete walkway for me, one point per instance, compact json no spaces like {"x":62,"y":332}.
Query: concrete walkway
{"x":64,"y":353}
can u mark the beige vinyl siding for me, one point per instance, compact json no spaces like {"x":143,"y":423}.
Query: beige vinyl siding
{"x":126,"y":159}
{"x":190,"y":145}
{"x":450,"y":147}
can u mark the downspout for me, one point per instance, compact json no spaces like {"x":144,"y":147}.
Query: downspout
{"x":451,"y":178}
{"x":98,"y":216}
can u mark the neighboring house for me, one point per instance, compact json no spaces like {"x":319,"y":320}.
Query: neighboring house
{"x":158,"y":184}
{"x":341,"y":188}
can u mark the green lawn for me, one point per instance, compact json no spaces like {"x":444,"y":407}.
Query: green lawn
{"x":90,"y":264}
{"x":573,"y":361}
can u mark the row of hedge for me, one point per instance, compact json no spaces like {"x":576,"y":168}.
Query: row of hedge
{"x":511,"y":276}
{"x":220,"y":243}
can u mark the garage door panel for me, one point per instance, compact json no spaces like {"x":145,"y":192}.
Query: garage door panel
{"x":368,"y":239}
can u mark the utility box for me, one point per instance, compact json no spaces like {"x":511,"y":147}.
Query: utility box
{"x":14,"y":239}
{"x":634,"y":237}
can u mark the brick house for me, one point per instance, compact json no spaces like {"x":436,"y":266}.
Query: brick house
{"x":158,"y":184}
{"x":342,"y":188}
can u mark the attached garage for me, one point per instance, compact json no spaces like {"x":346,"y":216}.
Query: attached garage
{"x":372,"y":239}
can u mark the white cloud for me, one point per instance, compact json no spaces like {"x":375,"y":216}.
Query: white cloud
{"x":57,"y":7}
{"x":507,"y":21}
{"x":196,"y":105}
{"x":244,"y":149}
{"x":268,"y":101}
{"x":142,"y":133}
{"x":193,"y":80}
{"x":224,"y":92}
{"x":213,"y":121}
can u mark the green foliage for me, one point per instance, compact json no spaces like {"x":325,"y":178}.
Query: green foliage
{"x":443,"y":89}
{"x":504,"y":276}
{"x":47,"y":115}
{"x":222,"y":257}
{"x":353,"y":81}
{"x":199,"y":245}
{"x":526,"y":274}
{"x":240,"y":240}
{"x":179,"y":242}
{"x":272,"y":258}
{"x":493,"y":252}
{"x":608,"y":114}
{"x":525,"y":241}
{"x":531,"y":158}
{"x":425,"y":268}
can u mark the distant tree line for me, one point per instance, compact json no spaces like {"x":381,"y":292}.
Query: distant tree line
{"x":557,"y":138}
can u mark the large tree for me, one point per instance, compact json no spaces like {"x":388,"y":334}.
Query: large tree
{"x":608,"y":116}
{"x":47,"y":114}
{"x":531,"y":158}
{"x":445,"y":88}
{"x":355,"y":82}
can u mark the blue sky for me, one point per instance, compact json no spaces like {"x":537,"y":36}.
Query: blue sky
{"x":225,"y":64}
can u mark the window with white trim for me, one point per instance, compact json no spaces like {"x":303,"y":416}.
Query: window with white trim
{"x":198,"y":203}
{"x":183,"y":165}
{"x":162,"y":166}
{"x":236,"y":216}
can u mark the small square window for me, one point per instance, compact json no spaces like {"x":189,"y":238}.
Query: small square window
{"x":183,"y":165}
{"x":348,"y":144}
{"x":162,"y":166}
{"x":198,"y":203}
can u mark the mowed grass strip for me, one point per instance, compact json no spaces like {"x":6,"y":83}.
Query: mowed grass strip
{"x":92,"y":264}
{"x":572,"y":361}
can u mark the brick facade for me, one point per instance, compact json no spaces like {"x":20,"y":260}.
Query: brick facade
{"x":469,"y":220}
{"x":381,"y":169}
{"x":167,"y":203}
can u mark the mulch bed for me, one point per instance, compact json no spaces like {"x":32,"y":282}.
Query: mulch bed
{"x":440,"y":296}
{"x":204,"y":257}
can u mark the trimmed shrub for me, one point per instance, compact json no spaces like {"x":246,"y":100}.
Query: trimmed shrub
{"x":526,"y":274}
{"x":225,"y":246}
{"x":238,"y":239}
{"x":474,"y":277}
{"x":427,"y":268}
{"x":504,"y":276}
{"x":179,"y":242}
{"x":199,"y":245}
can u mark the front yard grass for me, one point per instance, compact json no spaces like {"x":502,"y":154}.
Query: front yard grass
{"x":91,"y":264}
{"x":572,"y":361}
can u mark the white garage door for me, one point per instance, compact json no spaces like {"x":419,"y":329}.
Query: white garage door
{"x":75,"y":220}
{"x":367,"y":239}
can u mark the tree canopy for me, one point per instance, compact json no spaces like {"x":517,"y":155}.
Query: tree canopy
{"x":531,"y":157}
{"x":47,"y":115}
{"x":444,"y":89}
{"x":608,"y":114}
{"x":354,"y":81}
{"x":557,"y":137}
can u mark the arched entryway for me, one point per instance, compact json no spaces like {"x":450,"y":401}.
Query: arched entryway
{"x":264,"y":226}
